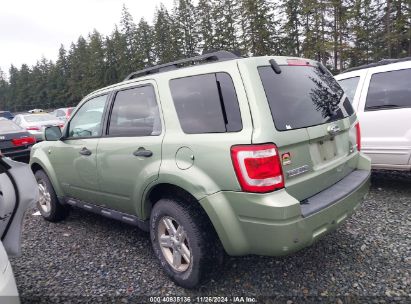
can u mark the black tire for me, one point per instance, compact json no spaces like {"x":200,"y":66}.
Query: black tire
{"x":56,"y":211}
{"x":204,"y":246}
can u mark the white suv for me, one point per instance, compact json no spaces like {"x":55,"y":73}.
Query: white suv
{"x":381,"y":94}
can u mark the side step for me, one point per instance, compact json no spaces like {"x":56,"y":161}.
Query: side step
{"x":110,"y":213}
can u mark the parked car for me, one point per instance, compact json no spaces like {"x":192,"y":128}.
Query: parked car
{"x":381,"y":94}
{"x":15,"y":142}
{"x":6,"y":114}
{"x":33,"y":111}
{"x":257,"y":154}
{"x":62,"y":113}
{"x":18,"y":191}
{"x":35,"y":123}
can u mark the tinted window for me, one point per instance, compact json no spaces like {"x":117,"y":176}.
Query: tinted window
{"x":206,"y":104}
{"x":87,"y":121}
{"x":6,"y":114}
{"x":389,"y":90}
{"x":8,"y":126}
{"x":302,"y":96}
{"x":349,"y":86}
{"x":135,"y":113}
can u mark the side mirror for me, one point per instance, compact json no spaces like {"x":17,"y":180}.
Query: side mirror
{"x":52,"y":133}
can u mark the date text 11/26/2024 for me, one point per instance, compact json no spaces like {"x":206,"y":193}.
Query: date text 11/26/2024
{"x":203,"y":299}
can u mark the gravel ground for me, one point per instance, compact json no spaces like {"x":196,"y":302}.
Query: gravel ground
{"x":88,"y":258}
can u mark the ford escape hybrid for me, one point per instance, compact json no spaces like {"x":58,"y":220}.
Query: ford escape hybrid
{"x":250,"y":155}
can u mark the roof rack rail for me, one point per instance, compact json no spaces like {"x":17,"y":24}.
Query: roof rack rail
{"x":210,"y":57}
{"x":379,"y":63}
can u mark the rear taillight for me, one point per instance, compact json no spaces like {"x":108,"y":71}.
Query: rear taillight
{"x":358,"y":135}
{"x":24,"y":141}
{"x":33,"y":128}
{"x":355,"y":136}
{"x":258,"y":167}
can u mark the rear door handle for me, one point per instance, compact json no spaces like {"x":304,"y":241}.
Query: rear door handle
{"x":85,"y":152}
{"x":142,"y":152}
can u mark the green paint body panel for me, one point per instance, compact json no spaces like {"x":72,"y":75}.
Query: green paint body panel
{"x":201,"y":164}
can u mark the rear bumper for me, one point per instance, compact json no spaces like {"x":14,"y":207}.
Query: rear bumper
{"x":276,"y":223}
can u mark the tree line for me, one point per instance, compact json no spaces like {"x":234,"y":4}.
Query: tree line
{"x":339,"y":33}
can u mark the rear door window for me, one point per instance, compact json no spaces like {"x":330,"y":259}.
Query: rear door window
{"x":135,"y":113}
{"x":349,"y":86}
{"x":303,"y":96}
{"x":206,"y":104}
{"x":389,"y":90}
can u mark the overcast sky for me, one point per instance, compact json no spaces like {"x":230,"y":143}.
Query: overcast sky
{"x":30,"y":29}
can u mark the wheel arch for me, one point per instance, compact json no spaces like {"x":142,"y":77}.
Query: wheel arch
{"x":36,"y":165}
{"x":165,"y":190}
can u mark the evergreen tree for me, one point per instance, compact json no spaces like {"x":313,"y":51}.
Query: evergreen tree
{"x":206,"y":25}
{"x":339,"y":33}
{"x":128,"y":30}
{"x":259,"y":26}
{"x":186,"y":28}
{"x":290,"y":30}
{"x":78,"y":60}
{"x":96,"y":63}
{"x":165,"y":49}
{"x":227,"y":25}
{"x":144,"y":41}
{"x":4,"y":87}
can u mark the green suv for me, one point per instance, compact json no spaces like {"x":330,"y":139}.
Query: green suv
{"x":211,"y":154}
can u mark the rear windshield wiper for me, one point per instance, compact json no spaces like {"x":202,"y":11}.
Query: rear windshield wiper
{"x":274,"y":65}
{"x":389,"y":106}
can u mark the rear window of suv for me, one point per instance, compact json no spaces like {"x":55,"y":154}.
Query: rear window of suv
{"x":303,"y":96}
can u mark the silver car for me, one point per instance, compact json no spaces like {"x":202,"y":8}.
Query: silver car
{"x":18,"y":191}
{"x":35,"y":123}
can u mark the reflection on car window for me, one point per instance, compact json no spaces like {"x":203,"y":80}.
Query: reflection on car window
{"x":135,"y":113}
{"x":303,"y":96}
{"x":349,"y":86}
{"x":87,"y":121}
{"x":389,"y":90}
{"x":206,"y":104}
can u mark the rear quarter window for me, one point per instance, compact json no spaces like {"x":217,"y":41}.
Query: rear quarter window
{"x":349,"y":86}
{"x":206,"y":103}
{"x":389,"y":90}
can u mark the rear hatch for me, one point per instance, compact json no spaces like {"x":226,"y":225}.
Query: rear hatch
{"x":313,"y":119}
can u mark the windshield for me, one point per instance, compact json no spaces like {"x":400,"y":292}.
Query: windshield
{"x":303,"y":96}
{"x":39,"y":117}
